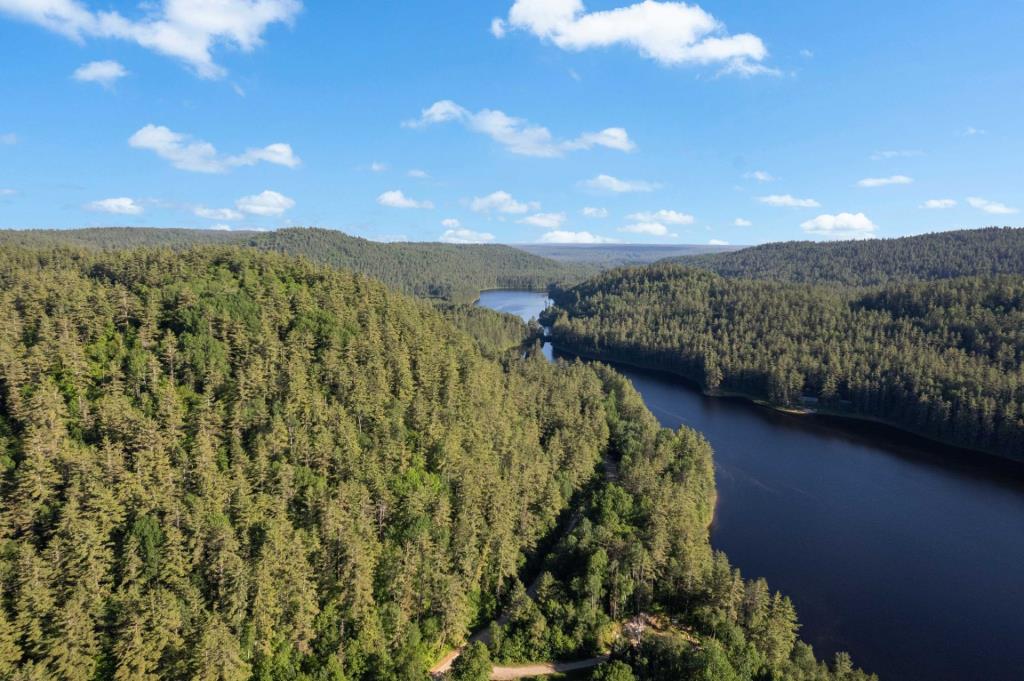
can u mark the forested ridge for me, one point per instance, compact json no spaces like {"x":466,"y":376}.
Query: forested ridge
{"x":432,"y":270}
{"x":941,"y":358}
{"x":943,"y":255}
{"x":225,"y":465}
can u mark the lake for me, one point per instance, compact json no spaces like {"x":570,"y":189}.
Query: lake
{"x":905,"y":553}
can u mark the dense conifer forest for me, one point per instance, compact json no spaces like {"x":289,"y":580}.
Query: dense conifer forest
{"x":941,"y":358}
{"x":432,"y":270}
{"x":224,"y":465}
{"x":943,"y":255}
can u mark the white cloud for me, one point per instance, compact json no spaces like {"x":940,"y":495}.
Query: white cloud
{"x":201,"y":157}
{"x":221,"y":228}
{"x":671,"y":33}
{"x":183,"y":29}
{"x":546,"y":220}
{"x":498,"y":29}
{"x":670,"y":217}
{"x":648,"y":228}
{"x":760,"y":176}
{"x":607,"y":183}
{"x":841,"y":226}
{"x":887,"y":154}
{"x":451,"y":223}
{"x":807,"y":54}
{"x":397,"y":199}
{"x":718,"y":242}
{"x":459,"y":235}
{"x":741,"y":222}
{"x":788,"y":201}
{"x":992,"y":207}
{"x":517,"y":135}
{"x":973,"y":132}
{"x":265,"y":203}
{"x":217,"y":213}
{"x":106,"y":73}
{"x":378,"y":167}
{"x":501,"y":202}
{"x":871,"y":182}
{"x":563,"y":237}
{"x":8,"y":138}
{"x":118,"y":206}
{"x":418,"y":174}
{"x":938,"y":204}
{"x":596,"y":213}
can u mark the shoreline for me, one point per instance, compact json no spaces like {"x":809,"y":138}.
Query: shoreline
{"x":801,"y":412}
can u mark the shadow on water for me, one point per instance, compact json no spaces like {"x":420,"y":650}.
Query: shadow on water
{"x":904,"y":552}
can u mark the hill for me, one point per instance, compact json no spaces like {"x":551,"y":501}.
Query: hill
{"x":943,"y":255}
{"x":618,"y":255}
{"x":433,"y":270}
{"x":942,"y":358}
{"x":228,"y":465}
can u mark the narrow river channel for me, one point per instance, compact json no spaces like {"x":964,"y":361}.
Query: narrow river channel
{"x":906,"y":554}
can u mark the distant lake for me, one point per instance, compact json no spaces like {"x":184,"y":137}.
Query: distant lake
{"x":907,"y":554}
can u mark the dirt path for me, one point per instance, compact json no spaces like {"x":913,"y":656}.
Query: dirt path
{"x":508,"y":673}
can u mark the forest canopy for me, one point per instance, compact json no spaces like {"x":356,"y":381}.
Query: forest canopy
{"x":225,"y":465}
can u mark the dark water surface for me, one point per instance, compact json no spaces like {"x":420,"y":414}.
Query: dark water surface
{"x":905,"y":553}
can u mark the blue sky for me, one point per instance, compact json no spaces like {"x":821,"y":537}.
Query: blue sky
{"x":514,"y":121}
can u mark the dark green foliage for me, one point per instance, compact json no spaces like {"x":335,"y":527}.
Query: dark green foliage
{"x":941,"y":358}
{"x":222,"y":464}
{"x":944,"y":255}
{"x":613,"y":671}
{"x":430,"y":270}
{"x":473,"y":665}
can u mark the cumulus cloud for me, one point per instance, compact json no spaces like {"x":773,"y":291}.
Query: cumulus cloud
{"x":670,"y":217}
{"x":501,"y":202}
{"x":198,"y":156}
{"x":596,"y":213}
{"x":377,"y":167}
{"x":266,"y":203}
{"x":545,"y":220}
{"x":182,"y":29}
{"x":417,"y":174}
{"x":118,"y":206}
{"x":563,"y":237}
{"x":841,"y":226}
{"x":741,"y":222}
{"x":871,"y":182}
{"x":397,"y":199}
{"x":456,"y":234}
{"x":671,"y":33}
{"x":647,"y":228}
{"x":718,"y":242}
{"x":938,"y":204}
{"x":517,"y":135}
{"x":217,"y":213}
{"x":607,"y":183}
{"x":788,"y":201}
{"x":992,"y":207}
{"x":760,"y":176}
{"x":106,"y":73}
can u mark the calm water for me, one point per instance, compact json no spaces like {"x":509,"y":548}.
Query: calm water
{"x":908,"y":555}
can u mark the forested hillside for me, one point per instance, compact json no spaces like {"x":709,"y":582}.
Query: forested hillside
{"x":431,"y":270}
{"x":943,"y":255}
{"x":225,"y":465}
{"x":940,"y":358}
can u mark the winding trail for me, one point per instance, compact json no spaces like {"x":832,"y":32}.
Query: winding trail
{"x":509,"y":673}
